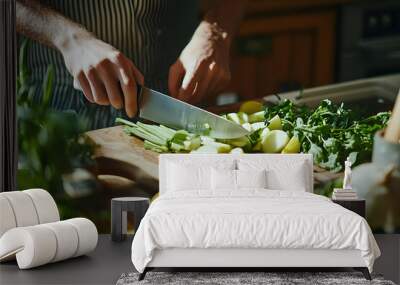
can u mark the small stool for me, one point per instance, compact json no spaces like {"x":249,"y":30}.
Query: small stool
{"x":119,"y":208}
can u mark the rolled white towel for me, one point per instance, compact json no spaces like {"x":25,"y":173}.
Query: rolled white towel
{"x":45,"y":205}
{"x":7,"y":218}
{"x":37,"y":245}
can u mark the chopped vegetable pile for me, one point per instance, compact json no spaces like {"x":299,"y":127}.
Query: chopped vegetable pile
{"x":330,"y":132}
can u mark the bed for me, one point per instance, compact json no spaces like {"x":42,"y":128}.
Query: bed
{"x":250,"y":210}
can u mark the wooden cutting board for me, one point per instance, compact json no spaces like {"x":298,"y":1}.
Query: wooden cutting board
{"x":123,"y":155}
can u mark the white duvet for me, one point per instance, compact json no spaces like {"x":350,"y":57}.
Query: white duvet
{"x":250,"y":219}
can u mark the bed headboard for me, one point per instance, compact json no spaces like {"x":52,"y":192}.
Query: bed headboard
{"x":210,"y":159}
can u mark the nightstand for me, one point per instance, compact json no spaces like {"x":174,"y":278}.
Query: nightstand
{"x":119,"y":208}
{"x":357,"y":206}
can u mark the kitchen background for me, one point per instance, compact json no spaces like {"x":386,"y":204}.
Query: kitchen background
{"x":282,"y":46}
{"x":288,"y":45}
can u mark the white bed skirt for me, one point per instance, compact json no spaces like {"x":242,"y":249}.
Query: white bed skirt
{"x":192,"y":257}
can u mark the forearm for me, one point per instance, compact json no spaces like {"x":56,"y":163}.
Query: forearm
{"x":225,"y":16}
{"x":45,"y":25}
{"x":102,"y":72}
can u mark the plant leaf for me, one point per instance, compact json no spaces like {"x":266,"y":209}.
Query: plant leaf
{"x":48,"y":85}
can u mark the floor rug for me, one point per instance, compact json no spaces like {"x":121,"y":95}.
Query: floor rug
{"x":244,"y":278}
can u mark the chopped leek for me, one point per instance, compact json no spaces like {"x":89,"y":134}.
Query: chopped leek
{"x":205,"y":139}
{"x":247,"y":126}
{"x":205,"y":149}
{"x":221,"y":147}
{"x":275,"y":141}
{"x":275,"y":123}
{"x":257,"y":126}
{"x":257,"y":117}
{"x":162,"y":139}
{"x":234,"y":117}
{"x":243,"y":117}
{"x":239,"y":142}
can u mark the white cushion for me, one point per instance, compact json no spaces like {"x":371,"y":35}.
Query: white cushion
{"x":224,"y":179}
{"x":23,"y":208}
{"x":252,"y":162}
{"x":67,"y":238}
{"x":251,"y":179}
{"x":7,"y":218}
{"x":181,"y":177}
{"x":45,"y":205}
{"x":40,"y":244}
{"x":294,"y":180}
{"x":34,"y":244}
{"x":26,"y":208}
{"x":87,"y":235}
{"x":282,"y":174}
{"x":192,"y":175}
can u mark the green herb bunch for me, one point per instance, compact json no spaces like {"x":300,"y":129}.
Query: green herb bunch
{"x":330,"y":132}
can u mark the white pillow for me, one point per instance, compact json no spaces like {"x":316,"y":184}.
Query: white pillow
{"x":295,"y":179}
{"x":251,"y":179}
{"x":193,"y":175}
{"x":223,"y":179}
{"x":182,"y":177}
{"x":281,"y":174}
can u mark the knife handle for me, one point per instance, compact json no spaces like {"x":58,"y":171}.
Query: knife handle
{"x":138,"y":99}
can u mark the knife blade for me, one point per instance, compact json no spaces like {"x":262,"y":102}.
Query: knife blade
{"x":176,"y":114}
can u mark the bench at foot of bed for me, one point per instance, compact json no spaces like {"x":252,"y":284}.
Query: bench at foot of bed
{"x":363,"y":270}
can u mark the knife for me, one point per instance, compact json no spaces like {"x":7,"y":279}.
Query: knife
{"x":165,"y":110}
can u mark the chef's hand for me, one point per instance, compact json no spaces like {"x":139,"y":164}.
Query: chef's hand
{"x":102,"y":72}
{"x":202,"y":69}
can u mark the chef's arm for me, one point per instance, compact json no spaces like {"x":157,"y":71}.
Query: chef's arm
{"x":202,"y":69}
{"x":45,"y":25}
{"x":102,"y":72}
